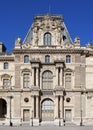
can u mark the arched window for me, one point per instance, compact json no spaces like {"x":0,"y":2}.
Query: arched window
{"x":6,"y":65}
{"x":26,"y":59}
{"x":47,"y":105}
{"x":6,"y":80}
{"x":47,"y":59}
{"x":68,"y":59}
{"x":47,"y":79}
{"x":26,"y":80}
{"x":47,"y":39}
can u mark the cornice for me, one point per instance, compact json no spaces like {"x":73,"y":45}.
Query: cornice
{"x":48,"y":50}
{"x":4,"y":58}
{"x":53,"y":90}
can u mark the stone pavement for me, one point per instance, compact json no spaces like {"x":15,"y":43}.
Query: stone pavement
{"x":47,"y":128}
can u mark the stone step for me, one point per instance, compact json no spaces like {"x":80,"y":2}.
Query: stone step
{"x":25,"y":123}
{"x":46,"y":123}
{"x":69,"y":124}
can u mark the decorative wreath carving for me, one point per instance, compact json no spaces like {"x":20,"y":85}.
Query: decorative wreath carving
{"x":68,"y":99}
{"x":26,"y":99}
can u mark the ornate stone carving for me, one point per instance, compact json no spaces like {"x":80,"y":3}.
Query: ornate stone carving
{"x":26,"y":99}
{"x":27,"y":46}
{"x":77,"y":42}
{"x":47,"y":23}
{"x":68,"y":46}
{"x":18,"y":43}
{"x":68,"y":99}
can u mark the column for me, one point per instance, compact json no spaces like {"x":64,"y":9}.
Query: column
{"x":37,"y":106}
{"x":40,"y":80}
{"x":8,"y":108}
{"x":33,"y":106}
{"x":61,"y":107}
{"x":33,"y":76}
{"x":57,"y":76}
{"x":56,"y":107}
{"x":61,"y":74}
{"x":37,"y":76}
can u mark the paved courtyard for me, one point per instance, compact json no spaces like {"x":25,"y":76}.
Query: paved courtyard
{"x":48,"y":128}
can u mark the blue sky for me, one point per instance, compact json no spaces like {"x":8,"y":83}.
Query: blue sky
{"x":16,"y":17}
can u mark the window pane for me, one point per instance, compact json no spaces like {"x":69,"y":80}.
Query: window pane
{"x":47,"y":105}
{"x":47,"y":59}
{"x":47,"y":39}
{"x":47,"y":80}
{"x":6,"y":82}
{"x":68,"y":59}
{"x":5,"y":65}
{"x":26,"y":59}
{"x":26,"y":80}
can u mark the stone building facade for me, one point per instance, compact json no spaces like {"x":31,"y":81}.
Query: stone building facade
{"x":47,"y":78}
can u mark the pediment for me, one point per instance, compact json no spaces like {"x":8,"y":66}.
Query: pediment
{"x":5,"y":76}
{"x":68,"y":70}
{"x":26,"y":70}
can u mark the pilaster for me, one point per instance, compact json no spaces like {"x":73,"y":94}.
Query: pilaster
{"x":37,"y":107}
{"x":33,"y":76}
{"x":37,"y":76}
{"x":61,"y":77}
{"x":56,"y":76}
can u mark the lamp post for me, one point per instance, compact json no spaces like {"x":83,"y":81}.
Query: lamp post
{"x":81,"y":121}
{"x":59,"y":118}
{"x":32,"y":117}
{"x":64,"y":94}
{"x":10,"y":110}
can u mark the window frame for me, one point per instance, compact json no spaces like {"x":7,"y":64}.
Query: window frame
{"x":6,"y":65}
{"x":26,"y":58}
{"x":47,"y":39}
{"x":47,"y":80}
{"x":47,"y":59}
{"x":47,"y":104}
{"x":68,"y":59}
{"x":26,"y":80}
{"x":6,"y":82}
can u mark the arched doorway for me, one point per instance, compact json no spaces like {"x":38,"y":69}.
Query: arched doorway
{"x":3,"y":108}
{"x":47,"y":108}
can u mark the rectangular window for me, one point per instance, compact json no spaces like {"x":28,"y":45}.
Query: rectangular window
{"x":26,"y":80}
{"x":5,"y":65}
{"x":26,"y":59}
{"x":47,"y":59}
{"x":68,"y":59}
{"x":26,"y":115}
{"x":6,"y":82}
{"x":68,"y":114}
